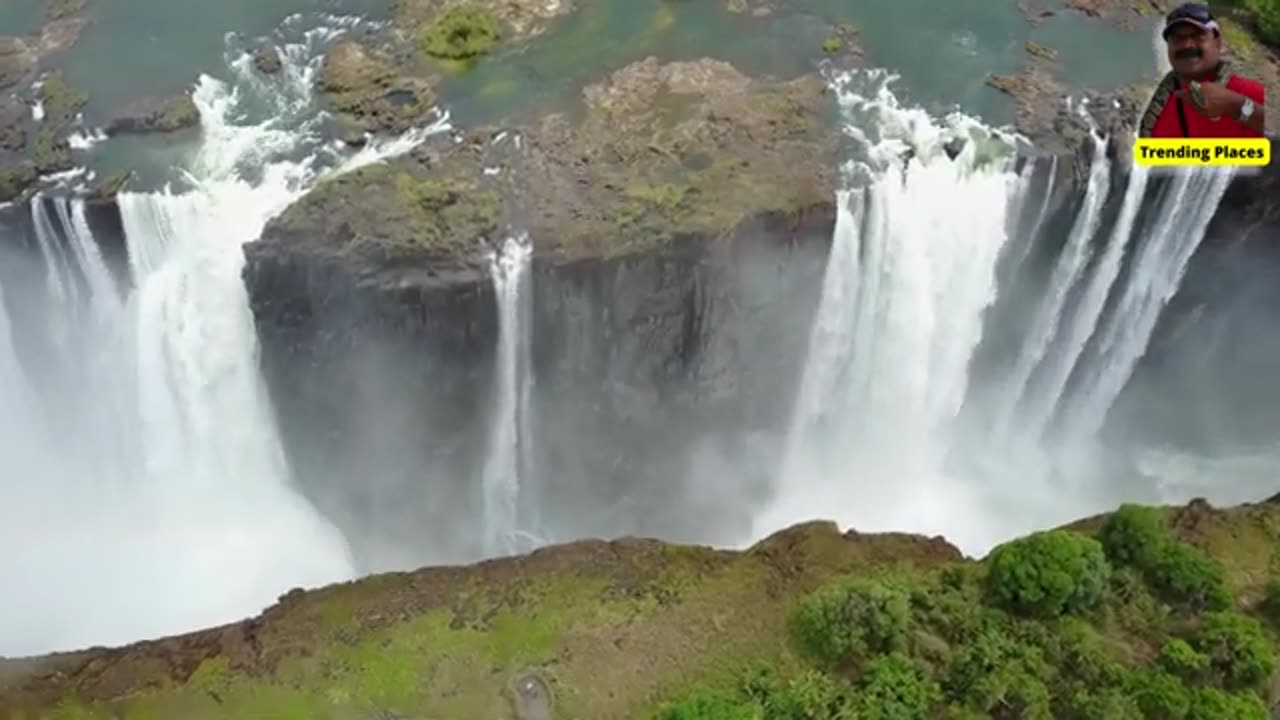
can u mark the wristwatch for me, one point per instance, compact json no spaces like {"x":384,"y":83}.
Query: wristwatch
{"x":1246,"y":110}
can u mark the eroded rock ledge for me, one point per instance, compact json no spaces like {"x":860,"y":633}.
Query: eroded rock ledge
{"x":660,"y":152}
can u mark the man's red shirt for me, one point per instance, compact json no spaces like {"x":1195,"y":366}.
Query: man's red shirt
{"x":1199,"y":126}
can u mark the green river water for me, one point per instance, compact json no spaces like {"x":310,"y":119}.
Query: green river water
{"x":943,"y":51}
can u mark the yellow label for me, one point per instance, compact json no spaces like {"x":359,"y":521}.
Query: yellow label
{"x":1202,"y":151}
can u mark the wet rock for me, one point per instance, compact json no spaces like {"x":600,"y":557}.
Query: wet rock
{"x":663,"y":151}
{"x":1034,"y":15}
{"x":758,"y":8}
{"x":520,"y":18}
{"x":1041,"y":51}
{"x":155,"y":115}
{"x":953,"y":148}
{"x":13,"y":118}
{"x":1124,"y":14}
{"x":62,"y":103}
{"x":15,"y":178}
{"x":371,"y":91}
{"x":61,"y":9}
{"x":17,"y":59}
{"x":267,"y":60}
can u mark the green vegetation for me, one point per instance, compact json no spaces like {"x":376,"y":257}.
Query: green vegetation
{"x":463,"y":32}
{"x":15,"y":178}
{"x":1042,"y":629}
{"x":1263,"y":15}
{"x":809,"y":624}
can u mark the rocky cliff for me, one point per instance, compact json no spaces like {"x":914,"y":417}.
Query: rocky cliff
{"x":1142,"y":613}
{"x":678,"y":226}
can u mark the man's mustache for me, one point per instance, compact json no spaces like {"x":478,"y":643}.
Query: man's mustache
{"x":1188,"y":54}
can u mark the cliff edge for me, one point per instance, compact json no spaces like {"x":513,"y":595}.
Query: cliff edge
{"x":1134,"y":614}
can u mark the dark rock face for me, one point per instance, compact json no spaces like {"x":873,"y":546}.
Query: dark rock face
{"x":647,"y":371}
{"x":152,"y":115}
{"x":267,"y":60}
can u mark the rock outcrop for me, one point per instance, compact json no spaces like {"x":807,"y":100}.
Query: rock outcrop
{"x":614,"y":630}
{"x":155,"y":115}
{"x":698,"y":201}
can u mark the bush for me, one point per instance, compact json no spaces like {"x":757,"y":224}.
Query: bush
{"x":1239,"y":652}
{"x":1160,"y":695}
{"x":1047,"y":574}
{"x":1102,"y":704}
{"x":995,"y":670}
{"x":707,"y":705}
{"x":462,"y":32}
{"x":1270,"y":607}
{"x":1182,"y":660}
{"x":1266,"y":15}
{"x":1185,"y":575}
{"x":811,"y":696}
{"x":1135,"y":536}
{"x":1214,"y":704}
{"x":895,"y":687}
{"x":851,"y":620}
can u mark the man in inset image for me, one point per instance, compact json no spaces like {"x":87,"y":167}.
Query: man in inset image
{"x":1202,"y":97}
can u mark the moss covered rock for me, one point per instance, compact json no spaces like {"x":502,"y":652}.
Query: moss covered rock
{"x":521,"y":18}
{"x":15,"y":178}
{"x":371,"y":91}
{"x":461,"y":33}
{"x":155,"y":115}
{"x":660,"y":153}
{"x":62,"y":104}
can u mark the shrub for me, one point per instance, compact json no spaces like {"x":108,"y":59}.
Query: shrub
{"x":1047,"y":574}
{"x":1214,"y":704}
{"x":895,"y":687}
{"x":707,"y":705}
{"x":462,"y":32}
{"x":1135,"y":536}
{"x":1187,"y":576}
{"x":995,"y":670}
{"x":1160,"y":695}
{"x":850,"y":620}
{"x":1266,"y":15}
{"x":1270,"y":607}
{"x":1182,"y":660}
{"x":1102,"y":704}
{"x":810,"y":696}
{"x":1240,"y":654}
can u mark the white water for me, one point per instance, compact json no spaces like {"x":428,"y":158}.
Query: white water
{"x":510,"y":434}
{"x":1068,"y":271}
{"x":1160,"y":262}
{"x":206,"y":527}
{"x":910,"y":272}
{"x":874,"y":442}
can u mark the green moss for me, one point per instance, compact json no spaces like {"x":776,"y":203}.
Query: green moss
{"x":832,"y":45}
{"x":180,"y":112}
{"x":463,"y":32}
{"x":60,"y":99}
{"x":16,"y":178}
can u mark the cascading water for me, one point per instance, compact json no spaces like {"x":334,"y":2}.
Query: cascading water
{"x":910,"y":273}
{"x":204,"y":528}
{"x":510,"y":434}
{"x":1070,"y":267}
{"x":1160,"y":260}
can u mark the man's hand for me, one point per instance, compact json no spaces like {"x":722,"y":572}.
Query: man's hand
{"x":1217,"y":100}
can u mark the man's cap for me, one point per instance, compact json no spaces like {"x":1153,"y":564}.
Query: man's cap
{"x":1190,"y":14}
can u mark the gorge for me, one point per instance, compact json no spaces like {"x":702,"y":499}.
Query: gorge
{"x":704,"y":307}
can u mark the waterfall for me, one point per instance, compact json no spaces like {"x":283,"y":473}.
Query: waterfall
{"x":1068,"y":271}
{"x":510,"y":433}
{"x":876,"y":441}
{"x":201,"y":524}
{"x":911,"y":270}
{"x":1180,"y":221}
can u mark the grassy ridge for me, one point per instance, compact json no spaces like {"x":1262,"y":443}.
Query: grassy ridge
{"x":1141,"y":613}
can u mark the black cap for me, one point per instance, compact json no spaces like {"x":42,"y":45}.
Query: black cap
{"x":1192,"y":14}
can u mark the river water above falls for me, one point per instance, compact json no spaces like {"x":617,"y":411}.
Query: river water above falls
{"x":973,"y":326}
